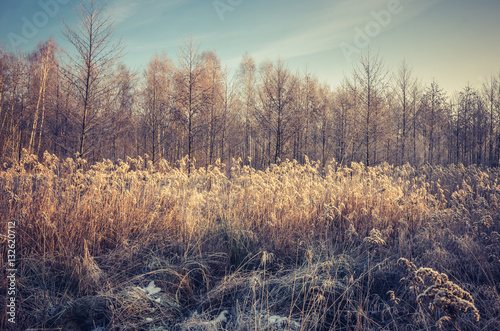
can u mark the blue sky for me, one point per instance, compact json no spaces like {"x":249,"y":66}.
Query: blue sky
{"x":453,"y":41}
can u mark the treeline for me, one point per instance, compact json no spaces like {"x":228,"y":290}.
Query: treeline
{"x":85,"y":103}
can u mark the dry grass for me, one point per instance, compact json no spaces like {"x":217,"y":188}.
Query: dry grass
{"x":295,"y":247}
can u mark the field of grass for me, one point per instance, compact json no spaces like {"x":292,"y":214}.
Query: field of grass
{"x":129,"y":246}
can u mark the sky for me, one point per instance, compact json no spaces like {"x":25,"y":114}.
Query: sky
{"x":455,"y":42}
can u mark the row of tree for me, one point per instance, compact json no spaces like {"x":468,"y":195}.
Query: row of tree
{"x":83,"y":102}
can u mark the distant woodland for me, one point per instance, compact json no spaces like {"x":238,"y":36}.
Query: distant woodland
{"x":84,"y":102}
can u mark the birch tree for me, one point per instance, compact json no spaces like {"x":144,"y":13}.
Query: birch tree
{"x":43,"y":65}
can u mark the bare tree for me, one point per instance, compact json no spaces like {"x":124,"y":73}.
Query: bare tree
{"x":189,"y":92}
{"x":404,"y":83}
{"x":415,"y":93}
{"x":368,"y":83}
{"x":228,"y":115}
{"x":491,"y":91}
{"x":278,"y":93}
{"x":307,"y":112}
{"x":433,"y":107}
{"x":5,"y":84}
{"x":158,"y":104}
{"x":470,"y":119}
{"x":247,"y":79}
{"x":93,"y":64}
{"x":392,"y":123}
{"x":15,"y":118}
{"x":64,"y":121}
{"x":44,"y":62}
{"x":213,"y":87}
{"x":123,"y":136}
{"x":324,"y":119}
{"x":263,"y":113}
{"x":346,"y":132}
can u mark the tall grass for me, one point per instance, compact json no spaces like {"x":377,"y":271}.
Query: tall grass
{"x":295,"y":247}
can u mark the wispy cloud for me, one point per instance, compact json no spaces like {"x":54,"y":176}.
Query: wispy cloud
{"x":336,"y":24}
{"x":152,"y":46}
{"x":122,"y":10}
{"x":138,"y":13}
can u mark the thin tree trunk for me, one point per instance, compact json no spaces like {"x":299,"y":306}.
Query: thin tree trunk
{"x":41,"y":96}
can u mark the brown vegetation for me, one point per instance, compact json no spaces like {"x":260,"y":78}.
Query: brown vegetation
{"x":293,"y":247}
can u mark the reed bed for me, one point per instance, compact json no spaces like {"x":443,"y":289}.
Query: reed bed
{"x":141,"y":246}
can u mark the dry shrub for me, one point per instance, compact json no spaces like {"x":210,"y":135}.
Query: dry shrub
{"x":442,"y":293}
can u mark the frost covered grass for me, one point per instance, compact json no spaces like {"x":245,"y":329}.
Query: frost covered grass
{"x":132,"y":245}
